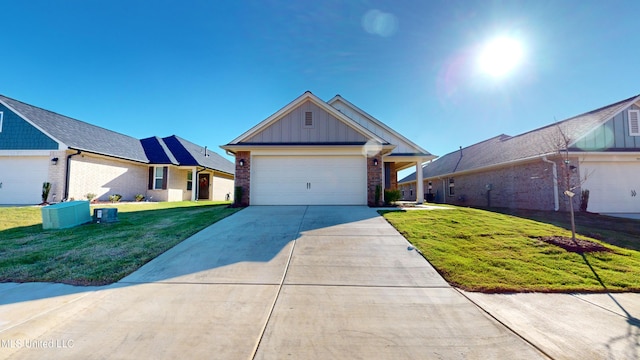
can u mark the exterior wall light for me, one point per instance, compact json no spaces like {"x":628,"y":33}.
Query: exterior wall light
{"x":54,"y":161}
{"x":241,"y":162}
{"x":375,"y":162}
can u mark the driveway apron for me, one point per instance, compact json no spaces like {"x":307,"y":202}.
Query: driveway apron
{"x":303,"y":282}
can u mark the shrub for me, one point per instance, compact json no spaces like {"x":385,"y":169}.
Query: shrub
{"x":391,"y":196}
{"x":237,"y":195}
{"x":115,"y":198}
{"x":378,"y":191}
{"x":584,"y":200}
{"x":139,"y":197}
{"x":90,"y":196}
{"x":46,"y":187}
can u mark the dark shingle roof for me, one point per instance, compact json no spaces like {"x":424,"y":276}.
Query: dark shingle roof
{"x":80,"y":135}
{"x":83,"y":136}
{"x":190,"y":154}
{"x":503,"y":148}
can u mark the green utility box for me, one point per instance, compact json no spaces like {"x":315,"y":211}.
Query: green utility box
{"x":65,"y":215}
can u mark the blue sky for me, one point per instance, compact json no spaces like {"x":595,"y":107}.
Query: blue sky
{"x":209,"y":70}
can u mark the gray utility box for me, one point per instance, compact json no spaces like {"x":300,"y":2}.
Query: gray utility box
{"x":105,"y":215}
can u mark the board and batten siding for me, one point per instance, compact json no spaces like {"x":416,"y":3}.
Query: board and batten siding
{"x":614,"y":134}
{"x":290,"y":128}
{"x":18,"y":134}
{"x":402,"y":146}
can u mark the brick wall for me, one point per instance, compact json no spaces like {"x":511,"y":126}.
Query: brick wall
{"x":522,"y":186}
{"x":374,"y":178}
{"x":104,"y":176}
{"x":393,"y":177}
{"x":243,"y":176}
{"x":57,"y":175}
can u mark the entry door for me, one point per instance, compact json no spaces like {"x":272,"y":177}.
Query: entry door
{"x":308,"y":180}
{"x":203,"y":186}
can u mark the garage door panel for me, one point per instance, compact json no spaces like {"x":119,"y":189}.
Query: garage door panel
{"x":22,"y":179}
{"x":612,"y":186}
{"x":309,"y":180}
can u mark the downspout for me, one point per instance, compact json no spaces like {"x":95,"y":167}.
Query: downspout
{"x":556,"y":200}
{"x":68,"y":175}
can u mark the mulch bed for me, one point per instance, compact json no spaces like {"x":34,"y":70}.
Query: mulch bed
{"x":577,"y":246}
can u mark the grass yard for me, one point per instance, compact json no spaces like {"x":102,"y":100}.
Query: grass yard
{"x":479,"y":250}
{"x":97,"y":254}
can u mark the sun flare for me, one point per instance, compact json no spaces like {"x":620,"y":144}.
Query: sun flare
{"x":500,"y":56}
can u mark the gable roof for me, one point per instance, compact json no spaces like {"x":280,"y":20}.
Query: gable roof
{"x":306,"y":96}
{"x":79,"y":135}
{"x":417,"y":149}
{"x":189,"y":154}
{"x":504,"y":149}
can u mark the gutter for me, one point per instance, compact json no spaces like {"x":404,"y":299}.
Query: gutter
{"x":68,"y":175}
{"x":556,"y":200}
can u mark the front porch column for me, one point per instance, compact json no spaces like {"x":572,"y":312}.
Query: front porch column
{"x":419,"y":183}
{"x":194,"y":183}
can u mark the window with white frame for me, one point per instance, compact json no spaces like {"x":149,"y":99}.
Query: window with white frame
{"x":158,"y":177}
{"x":452,"y":187}
{"x":634,"y":122}
{"x":190,"y":180}
{"x":1,"y":118}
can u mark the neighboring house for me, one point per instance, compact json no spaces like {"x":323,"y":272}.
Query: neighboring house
{"x":520,"y":171}
{"x":78,"y":158}
{"x":313,"y":152}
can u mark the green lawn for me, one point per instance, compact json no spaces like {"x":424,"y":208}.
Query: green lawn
{"x":97,"y":254}
{"x":479,"y":250}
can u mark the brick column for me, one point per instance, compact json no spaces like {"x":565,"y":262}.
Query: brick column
{"x":393,"y":174}
{"x":374,"y":178}
{"x":243,"y":176}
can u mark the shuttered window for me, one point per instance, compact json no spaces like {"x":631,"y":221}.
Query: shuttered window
{"x":308,"y":119}
{"x":158,"y":177}
{"x":634,"y":122}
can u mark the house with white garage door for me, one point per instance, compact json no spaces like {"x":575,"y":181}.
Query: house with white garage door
{"x":599,"y":150}
{"x":312,"y":152}
{"x":78,"y":158}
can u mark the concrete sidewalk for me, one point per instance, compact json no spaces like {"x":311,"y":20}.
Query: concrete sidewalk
{"x":268,"y":282}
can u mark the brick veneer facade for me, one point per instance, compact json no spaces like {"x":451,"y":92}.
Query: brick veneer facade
{"x":393,"y":179}
{"x":374,"y":178}
{"x":243,"y":176}
{"x":522,"y":186}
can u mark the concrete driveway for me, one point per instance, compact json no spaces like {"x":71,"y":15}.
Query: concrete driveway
{"x":299,"y":282}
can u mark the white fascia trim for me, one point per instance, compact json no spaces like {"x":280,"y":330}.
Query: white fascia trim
{"x":289,"y":107}
{"x":377,"y":122}
{"x":61,"y":145}
{"x":622,"y":108}
{"x":308,"y":151}
{"x":607,"y":156}
{"x":26,"y":152}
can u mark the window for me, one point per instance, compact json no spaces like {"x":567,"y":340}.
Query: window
{"x":410,"y":191}
{"x":452,"y":189}
{"x":1,"y":118}
{"x":190,"y":180}
{"x":634,"y":122}
{"x":158,"y":177}
{"x":308,"y":119}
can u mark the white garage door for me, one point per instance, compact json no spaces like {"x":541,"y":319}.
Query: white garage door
{"x":613,"y":188}
{"x":308,"y":180}
{"x":21,"y":179}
